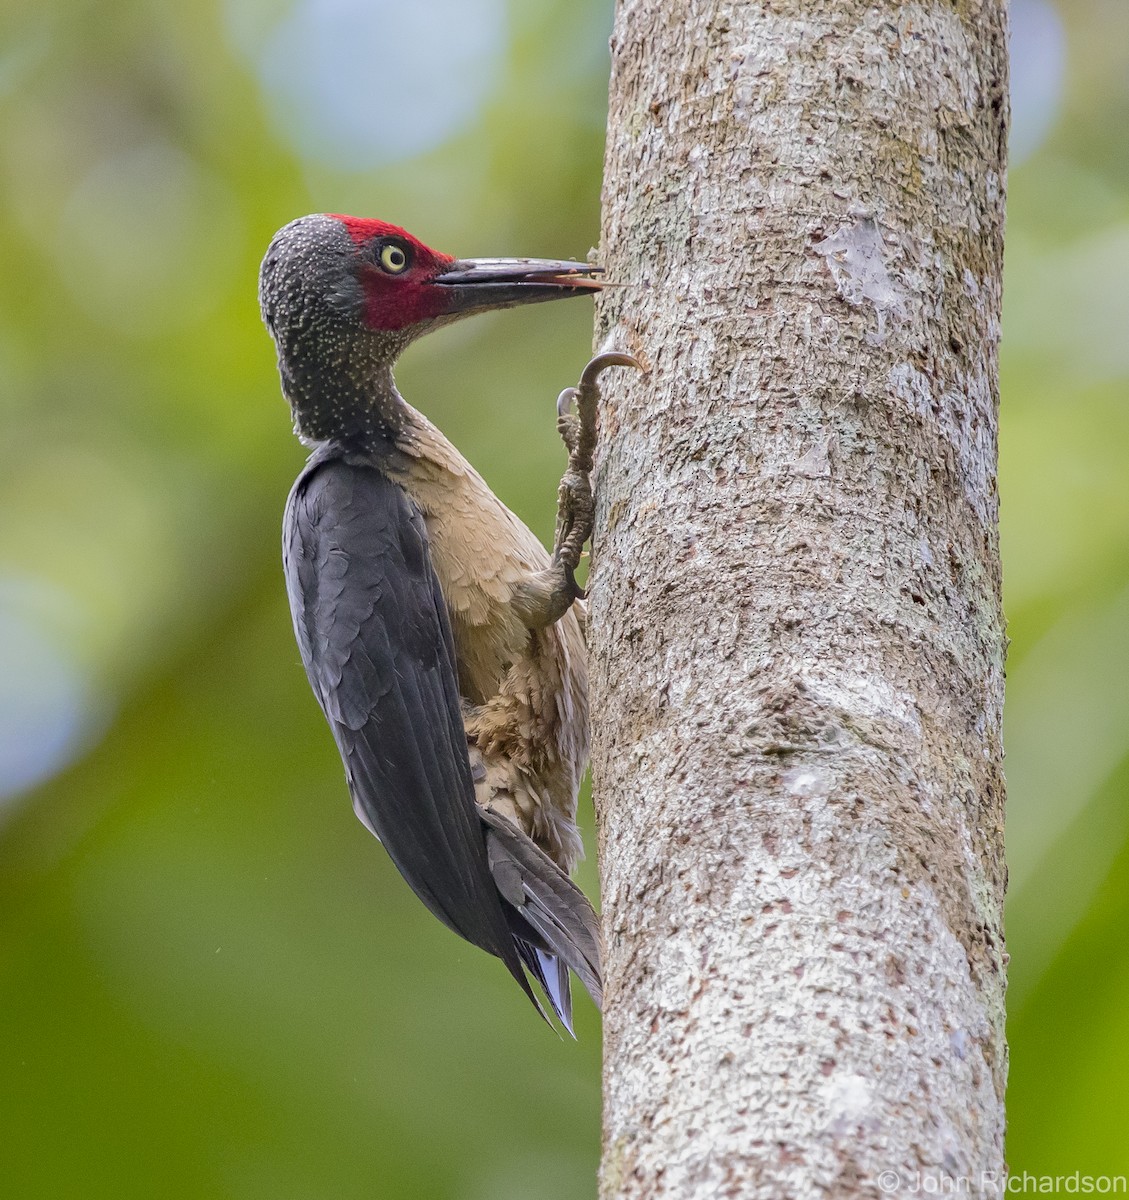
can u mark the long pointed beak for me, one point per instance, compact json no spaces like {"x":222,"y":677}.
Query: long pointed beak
{"x":481,"y":284}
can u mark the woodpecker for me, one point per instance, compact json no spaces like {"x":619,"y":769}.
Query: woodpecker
{"x":443,"y":643}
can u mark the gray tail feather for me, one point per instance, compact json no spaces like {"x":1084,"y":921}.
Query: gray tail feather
{"x":557,"y":914}
{"x":555,"y":972}
{"x":550,"y":972}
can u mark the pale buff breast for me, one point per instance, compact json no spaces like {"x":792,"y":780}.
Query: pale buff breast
{"x":529,"y":724}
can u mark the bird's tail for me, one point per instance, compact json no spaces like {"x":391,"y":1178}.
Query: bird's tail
{"x":550,"y":972}
{"x":555,"y":927}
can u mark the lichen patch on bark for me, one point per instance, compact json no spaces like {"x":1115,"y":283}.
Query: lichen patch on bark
{"x":855,"y":258}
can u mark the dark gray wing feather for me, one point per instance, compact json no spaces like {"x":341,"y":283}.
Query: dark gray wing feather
{"x":373,"y":632}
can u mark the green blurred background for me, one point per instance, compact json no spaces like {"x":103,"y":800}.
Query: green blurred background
{"x":212,"y":984}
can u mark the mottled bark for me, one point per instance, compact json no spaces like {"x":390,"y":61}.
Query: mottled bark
{"x":796,"y":638}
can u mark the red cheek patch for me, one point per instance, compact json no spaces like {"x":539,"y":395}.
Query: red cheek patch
{"x":396,"y":301}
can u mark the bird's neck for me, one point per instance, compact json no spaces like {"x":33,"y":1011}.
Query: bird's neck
{"x":355,"y":400}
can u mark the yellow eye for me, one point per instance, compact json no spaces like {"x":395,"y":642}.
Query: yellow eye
{"x":393,"y":258}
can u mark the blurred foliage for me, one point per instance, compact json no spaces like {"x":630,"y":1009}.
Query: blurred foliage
{"x":213,"y":983}
{"x":1064,"y":483}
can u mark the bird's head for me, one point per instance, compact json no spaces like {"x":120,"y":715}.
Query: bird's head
{"x":342,"y":297}
{"x":338,"y":292}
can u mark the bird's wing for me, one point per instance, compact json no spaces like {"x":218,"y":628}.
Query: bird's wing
{"x":373,"y":632}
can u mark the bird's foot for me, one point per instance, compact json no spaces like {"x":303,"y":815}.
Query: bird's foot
{"x":575,"y":504}
{"x":546,"y":596}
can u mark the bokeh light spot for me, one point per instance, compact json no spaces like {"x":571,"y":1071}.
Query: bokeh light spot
{"x":150,"y":241}
{"x":1038,"y":70}
{"x":353,"y":84}
{"x":45,"y":696}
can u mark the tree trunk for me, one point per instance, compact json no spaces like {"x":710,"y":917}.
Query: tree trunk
{"x":796,"y":637}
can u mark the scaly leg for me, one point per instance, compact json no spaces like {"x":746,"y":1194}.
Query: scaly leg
{"x":550,"y":593}
{"x":575,"y":504}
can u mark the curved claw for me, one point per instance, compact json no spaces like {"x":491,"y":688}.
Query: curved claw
{"x":602,"y":361}
{"x":574,"y":498}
